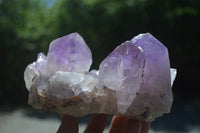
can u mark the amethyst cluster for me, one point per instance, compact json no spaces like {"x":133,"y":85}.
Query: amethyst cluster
{"x":134,"y":80}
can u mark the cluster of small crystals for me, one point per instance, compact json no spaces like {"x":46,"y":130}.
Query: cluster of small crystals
{"x":137,"y":66}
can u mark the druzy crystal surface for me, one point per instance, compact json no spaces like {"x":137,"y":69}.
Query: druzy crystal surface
{"x":134,"y":80}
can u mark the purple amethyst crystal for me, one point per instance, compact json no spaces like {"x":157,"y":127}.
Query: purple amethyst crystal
{"x":69,"y":53}
{"x":157,"y":77}
{"x":157,"y":67}
{"x":134,"y":80}
{"x":122,"y":71}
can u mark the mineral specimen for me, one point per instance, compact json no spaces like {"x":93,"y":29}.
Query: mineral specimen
{"x":134,"y":80}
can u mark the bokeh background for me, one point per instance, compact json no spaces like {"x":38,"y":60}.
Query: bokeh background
{"x":28,"y":26}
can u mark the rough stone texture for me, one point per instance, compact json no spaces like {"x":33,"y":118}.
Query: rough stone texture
{"x":134,"y":80}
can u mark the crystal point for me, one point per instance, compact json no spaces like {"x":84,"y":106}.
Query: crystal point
{"x":156,"y":83}
{"x":40,"y":62}
{"x":68,"y":53}
{"x":173,"y":75}
{"x":122,"y":71}
{"x":157,"y":67}
{"x":29,"y":75}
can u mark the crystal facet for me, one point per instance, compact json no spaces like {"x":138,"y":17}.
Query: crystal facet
{"x":134,"y":80}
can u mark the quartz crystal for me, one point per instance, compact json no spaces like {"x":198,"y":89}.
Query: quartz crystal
{"x":134,"y":80}
{"x":68,"y":53}
{"x":122,"y":71}
{"x":155,"y":94}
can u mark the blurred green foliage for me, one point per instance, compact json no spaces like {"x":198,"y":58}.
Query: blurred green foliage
{"x":28,"y":26}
